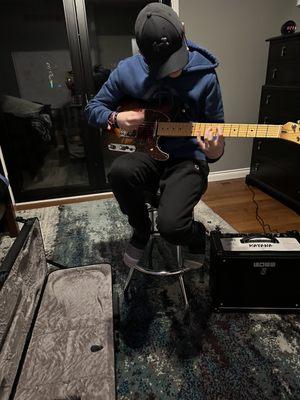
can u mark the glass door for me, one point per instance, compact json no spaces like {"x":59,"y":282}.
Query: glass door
{"x":107,"y":36}
{"x":48,"y":148}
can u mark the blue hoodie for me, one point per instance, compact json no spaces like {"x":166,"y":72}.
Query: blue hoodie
{"x":196,"y":91}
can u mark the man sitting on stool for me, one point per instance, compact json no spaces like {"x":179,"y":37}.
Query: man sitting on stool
{"x":170,"y":67}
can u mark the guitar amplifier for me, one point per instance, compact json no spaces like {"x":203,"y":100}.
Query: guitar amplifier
{"x":255,"y":272}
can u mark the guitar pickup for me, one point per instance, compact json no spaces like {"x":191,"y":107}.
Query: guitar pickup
{"x":126,"y":148}
{"x":125,"y":134}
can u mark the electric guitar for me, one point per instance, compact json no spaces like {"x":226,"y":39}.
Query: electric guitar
{"x":158,"y":123}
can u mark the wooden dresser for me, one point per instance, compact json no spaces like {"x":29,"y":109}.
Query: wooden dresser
{"x":275,"y":164}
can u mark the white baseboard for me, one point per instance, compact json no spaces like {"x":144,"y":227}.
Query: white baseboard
{"x":228,"y":174}
{"x":62,"y":200}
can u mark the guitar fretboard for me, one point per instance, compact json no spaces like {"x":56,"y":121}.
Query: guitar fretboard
{"x":229,"y":130}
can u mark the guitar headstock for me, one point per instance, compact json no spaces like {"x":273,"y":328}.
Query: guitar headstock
{"x":291,"y":131}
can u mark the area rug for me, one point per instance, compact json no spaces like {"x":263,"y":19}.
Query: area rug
{"x":244,"y":356}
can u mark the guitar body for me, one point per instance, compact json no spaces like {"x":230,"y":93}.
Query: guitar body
{"x":144,"y":139}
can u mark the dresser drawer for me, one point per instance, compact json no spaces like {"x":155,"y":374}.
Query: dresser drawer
{"x":269,"y":171}
{"x":284,"y":50}
{"x":283,"y":73}
{"x":277,"y":116}
{"x":280,"y":100}
{"x":283,"y":153}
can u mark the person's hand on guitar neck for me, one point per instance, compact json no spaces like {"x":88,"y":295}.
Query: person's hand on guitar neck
{"x":130,"y":120}
{"x":212,"y":144}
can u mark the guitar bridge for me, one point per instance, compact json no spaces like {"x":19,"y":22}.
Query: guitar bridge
{"x":126,"y":148}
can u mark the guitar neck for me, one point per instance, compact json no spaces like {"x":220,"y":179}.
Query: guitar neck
{"x":229,"y":130}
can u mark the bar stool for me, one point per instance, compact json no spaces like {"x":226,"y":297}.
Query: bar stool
{"x":152,"y":201}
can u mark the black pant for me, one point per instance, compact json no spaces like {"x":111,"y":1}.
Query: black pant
{"x":182,"y":183}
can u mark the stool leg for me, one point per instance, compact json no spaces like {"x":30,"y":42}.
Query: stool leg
{"x":179,"y":257}
{"x":129,"y":276}
{"x":180,"y":264}
{"x":151,"y":216}
{"x":181,"y":281}
{"x":202,"y":274}
{"x":151,"y":240}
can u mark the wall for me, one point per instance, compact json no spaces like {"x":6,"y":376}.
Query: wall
{"x":293,"y":13}
{"x":110,"y":32}
{"x":235,"y":31}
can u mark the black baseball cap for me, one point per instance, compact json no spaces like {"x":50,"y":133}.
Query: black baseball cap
{"x":161,"y":40}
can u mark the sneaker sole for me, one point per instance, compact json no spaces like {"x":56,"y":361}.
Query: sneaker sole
{"x":130,"y":261}
{"x":194,"y":264}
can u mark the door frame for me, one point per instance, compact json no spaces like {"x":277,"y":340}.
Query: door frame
{"x":77,"y":29}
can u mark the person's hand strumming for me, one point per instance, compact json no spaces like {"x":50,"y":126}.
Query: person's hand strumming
{"x":212,"y":144}
{"x":130,"y":120}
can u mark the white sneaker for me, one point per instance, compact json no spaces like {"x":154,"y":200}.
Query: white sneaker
{"x":132,"y":255}
{"x":194,"y":260}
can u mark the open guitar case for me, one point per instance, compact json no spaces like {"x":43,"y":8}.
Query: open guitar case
{"x":56,"y":329}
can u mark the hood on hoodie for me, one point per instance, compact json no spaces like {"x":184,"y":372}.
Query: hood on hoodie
{"x":200,"y":59}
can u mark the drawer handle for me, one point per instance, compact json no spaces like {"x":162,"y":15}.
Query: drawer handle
{"x":266,"y":120}
{"x":256,"y":167}
{"x":268,"y":98}
{"x":283,"y":51}
{"x":259,"y":144}
{"x":274,"y":73}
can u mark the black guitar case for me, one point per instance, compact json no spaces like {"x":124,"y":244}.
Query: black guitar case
{"x":56,"y":329}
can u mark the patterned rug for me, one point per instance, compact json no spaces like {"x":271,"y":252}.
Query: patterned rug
{"x":159,"y":356}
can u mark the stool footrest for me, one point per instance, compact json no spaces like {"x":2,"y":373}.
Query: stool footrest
{"x":166,"y":273}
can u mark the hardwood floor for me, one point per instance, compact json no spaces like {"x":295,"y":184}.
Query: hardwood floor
{"x":232,"y":200}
